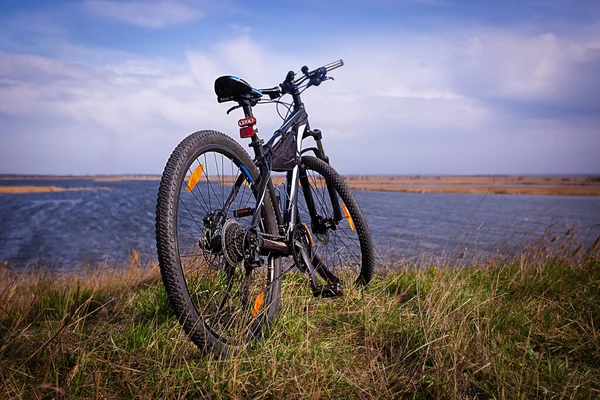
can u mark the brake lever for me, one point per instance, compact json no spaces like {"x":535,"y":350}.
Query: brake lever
{"x":233,"y":108}
{"x":316,"y":81}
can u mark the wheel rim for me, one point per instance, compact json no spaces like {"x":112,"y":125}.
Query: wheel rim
{"x":231,"y":300}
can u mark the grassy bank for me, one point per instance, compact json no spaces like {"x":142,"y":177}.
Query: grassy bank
{"x":523,"y":328}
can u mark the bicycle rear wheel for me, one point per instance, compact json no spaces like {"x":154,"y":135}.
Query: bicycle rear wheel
{"x":341,"y":239}
{"x":206,"y":188}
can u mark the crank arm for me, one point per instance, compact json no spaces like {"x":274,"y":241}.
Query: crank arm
{"x":311,"y":270}
{"x":322,"y":269}
{"x":333,"y":289}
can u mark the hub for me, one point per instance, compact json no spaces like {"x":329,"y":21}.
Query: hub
{"x":210,"y":240}
{"x":322,"y":225}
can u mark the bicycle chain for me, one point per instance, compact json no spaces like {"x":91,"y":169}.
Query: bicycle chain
{"x":269,"y":235}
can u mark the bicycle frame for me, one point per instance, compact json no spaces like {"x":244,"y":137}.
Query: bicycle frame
{"x":298,"y":121}
{"x":296,"y":124}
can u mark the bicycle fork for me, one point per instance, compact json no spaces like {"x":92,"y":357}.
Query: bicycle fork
{"x":320,"y":225}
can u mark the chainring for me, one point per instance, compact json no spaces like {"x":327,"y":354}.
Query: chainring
{"x":301,"y":239}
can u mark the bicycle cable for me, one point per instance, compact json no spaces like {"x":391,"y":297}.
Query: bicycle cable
{"x":277,"y":103}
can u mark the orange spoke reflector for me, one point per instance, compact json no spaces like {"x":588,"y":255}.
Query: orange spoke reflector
{"x":258,"y":302}
{"x":194,"y":178}
{"x":312,"y":243}
{"x":348,"y":216}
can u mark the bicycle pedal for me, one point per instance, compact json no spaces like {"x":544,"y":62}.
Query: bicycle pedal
{"x":328,"y":291}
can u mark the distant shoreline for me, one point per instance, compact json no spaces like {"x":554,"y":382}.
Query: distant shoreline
{"x":498,"y":184}
{"x":98,"y":178}
{"x":537,"y":185}
{"x":45,"y":189}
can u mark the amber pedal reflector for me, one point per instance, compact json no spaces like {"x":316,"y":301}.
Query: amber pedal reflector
{"x":348,"y":216}
{"x":194,"y":178}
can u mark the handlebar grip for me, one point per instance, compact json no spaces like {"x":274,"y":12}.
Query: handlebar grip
{"x":333,"y":65}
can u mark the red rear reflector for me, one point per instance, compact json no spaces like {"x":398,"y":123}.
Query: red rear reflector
{"x":247,"y":127}
{"x":246,"y":132}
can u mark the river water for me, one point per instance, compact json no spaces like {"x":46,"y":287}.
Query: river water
{"x":66,"y":229}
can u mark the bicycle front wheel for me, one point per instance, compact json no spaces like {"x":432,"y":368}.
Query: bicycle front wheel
{"x":208,"y":186}
{"x":340,"y":234}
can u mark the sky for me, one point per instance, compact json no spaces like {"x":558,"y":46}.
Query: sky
{"x":428,"y":86}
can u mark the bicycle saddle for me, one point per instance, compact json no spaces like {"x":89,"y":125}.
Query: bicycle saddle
{"x":232,"y":88}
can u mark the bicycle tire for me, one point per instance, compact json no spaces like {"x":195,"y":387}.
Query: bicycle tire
{"x":192,"y":285}
{"x":344,"y":262}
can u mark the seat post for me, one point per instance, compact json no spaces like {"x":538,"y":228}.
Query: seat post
{"x":256,"y":142}
{"x":263,"y":167}
{"x":247,"y":108}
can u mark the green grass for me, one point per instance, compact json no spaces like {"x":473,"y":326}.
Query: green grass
{"x":526,"y":328}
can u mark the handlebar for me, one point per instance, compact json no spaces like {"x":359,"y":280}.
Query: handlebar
{"x":314,"y":78}
{"x":333,"y":65}
{"x":318,"y":75}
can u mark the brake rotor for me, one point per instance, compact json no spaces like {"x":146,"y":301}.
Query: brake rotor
{"x":210,"y":241}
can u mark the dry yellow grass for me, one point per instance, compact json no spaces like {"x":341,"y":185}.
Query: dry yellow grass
{"x":492,"y":189}
{"x":479,"y":180}
{"x":18,"y":288}
{"x":534,"y":186}
{"x":42,"y":189}
{"x":519,"y":185}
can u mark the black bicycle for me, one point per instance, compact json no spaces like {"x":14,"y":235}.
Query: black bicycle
{"x":225,"y":228}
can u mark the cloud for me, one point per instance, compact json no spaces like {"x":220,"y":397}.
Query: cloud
{"x":404,"y":104}
{"x":150,"y":14}
{"x":529,"y":70}
{"x":490,"y":101}
{"x":127,"y":115}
